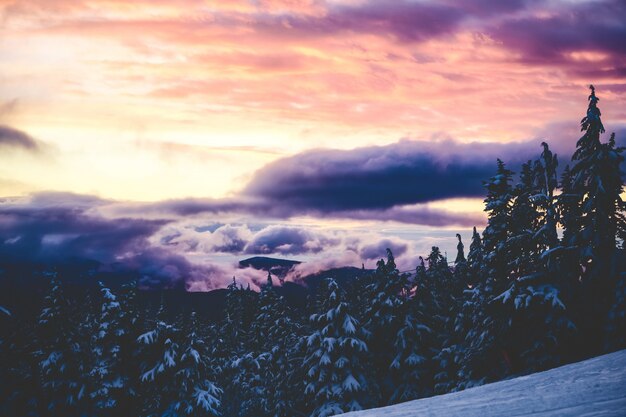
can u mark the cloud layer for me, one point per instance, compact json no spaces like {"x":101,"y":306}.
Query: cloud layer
{"x":14,"y":138}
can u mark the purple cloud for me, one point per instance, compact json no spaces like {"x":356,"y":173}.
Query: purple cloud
{"x":581,"y":28}
{"x":13,"y":138}
{"x":404,"y":20}
{"x":382,"y":177}
{"x":288,"y":241}
{"x":378,"y":250}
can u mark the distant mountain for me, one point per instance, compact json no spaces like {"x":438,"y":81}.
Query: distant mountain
{"x":278,"y":267}
{"x":23,"y":286}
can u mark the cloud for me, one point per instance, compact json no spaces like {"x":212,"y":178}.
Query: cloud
{"x":13,"y":138}
{"x":53,"y":233}
{"x":378,"y":250}
{"x":224,"y":238}
{"x":383,"y":177}
{"x":286,"y":240}
{"x":587,"y":38}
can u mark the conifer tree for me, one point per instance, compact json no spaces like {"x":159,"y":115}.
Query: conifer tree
{"x":383,"y":296}
{"x":597,"y":182}
{"x":194,"y":377}
{"x":538,"y":327}
{"x":61,"y":356}
{"x":158,"y":353}
{"x":131,"y":325}
{"x":278,"y":333}
{"x":335,"y":379}
{"x":107,"y":374}
{"x":483,"y":355}
{"x":414,"y":344}
{"x":496,"y":234}
{"x":460,"y":251}
{"x":475,"y":262}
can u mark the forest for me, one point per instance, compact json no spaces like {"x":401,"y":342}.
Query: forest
{"x":543,"y":285}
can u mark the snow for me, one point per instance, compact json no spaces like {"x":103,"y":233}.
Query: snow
{"x":595,"y":387}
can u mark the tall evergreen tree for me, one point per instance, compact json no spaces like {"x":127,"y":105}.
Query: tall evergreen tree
{"x":61,"y":356}
{"x":335,"y":379}
{"x":475,"y":257}
{"x":484,"y":358}
{"x":415,"y":341}
{"x":194,"y":377}
{"x":597,"y":182}
{"x":538,"y":329}
{"x":108,"y":377}
{"x":382,"y":317}
{"x":159,"y":352}
{"x":279,"y":334}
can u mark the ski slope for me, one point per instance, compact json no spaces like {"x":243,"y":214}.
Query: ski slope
{"x":595,"y":387}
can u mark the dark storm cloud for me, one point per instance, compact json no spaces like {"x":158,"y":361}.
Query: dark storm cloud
{"x":381,"y":177}
{"x":50,"y":234}
{"x":378,"y":249}
{"x":13,"y":138}
{"x":45,"y":234}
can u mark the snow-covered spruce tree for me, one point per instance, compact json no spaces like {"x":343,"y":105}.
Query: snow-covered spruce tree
{"x":61,"y":356}
{"x":235,"y":346}
{"x":107,"y":374}
{"x":257,"y":372}
{"x":193,"y":382}
{"x":439,"y":301}
{"x":335,"y":379}
{"x":441,"y":288}
{"x":238,"y":317}
{"x":382,"y":318}
{"x":414,"y":345}
{"x":522,"y":250}
{"x":597,"y":181}
{"x":131,"y":324}
{"x":158,"y":352}
{"x":483,"y":357}
{"x":247,"y":384}
{"x":496,"y":234}
{"x":539,"y":331}
{"x":279,"y":334}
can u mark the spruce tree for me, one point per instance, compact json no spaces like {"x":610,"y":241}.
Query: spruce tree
{"x":475,"y":257}
{"x":538,"y":329}
{"x":108,"y":377}
{"x":412,"y":365}
{"x":159,"y":352}
{"x":335,"y":379}
{"x":383,"y":296}
{"x":484,"y":358}
{"x":597,"y":182}
{"x":61,"y":356}
{"x":278,"y":333}
{"x":194,"y":377}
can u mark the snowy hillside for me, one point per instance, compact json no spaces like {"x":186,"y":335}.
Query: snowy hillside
{"x":595,"y":387}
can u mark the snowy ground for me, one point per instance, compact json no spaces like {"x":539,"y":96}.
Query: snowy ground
{"x":595,"y":387}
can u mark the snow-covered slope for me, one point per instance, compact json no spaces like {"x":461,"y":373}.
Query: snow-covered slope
{"x":595,"y":387}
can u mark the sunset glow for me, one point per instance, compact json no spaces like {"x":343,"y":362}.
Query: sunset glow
{"x":204,"y":112}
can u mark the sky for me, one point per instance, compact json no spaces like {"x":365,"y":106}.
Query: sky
{"x":178,"y":137}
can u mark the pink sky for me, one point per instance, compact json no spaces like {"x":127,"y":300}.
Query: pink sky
{"x":152,"y":101}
